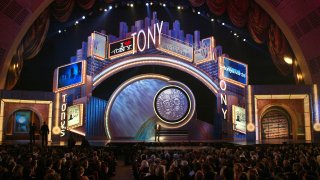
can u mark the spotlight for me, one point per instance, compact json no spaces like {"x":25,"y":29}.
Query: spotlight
{"x":244,"y":40}
{"x":179,"y":7}
{"x":199,"y":12}
{"x":164,"y":5}
{"x":59,"y":31}
{"x":235,"y":34}
{"x":212,"y":20}
{"x":65,"y":30}
{"x":83,"y":17}
{"x":77,"y":22}
{"x":131,"y":5}
{"x":230,"y":31}
{"x":147,"y":4}
{"x":223,"y":24}
{"x":288,"y":59}
{"x":151,"y":3}
{"x":105,"y":10}
{"x":110,"y":7}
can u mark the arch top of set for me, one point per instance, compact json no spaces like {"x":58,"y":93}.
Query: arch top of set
{"x":155,"y":60}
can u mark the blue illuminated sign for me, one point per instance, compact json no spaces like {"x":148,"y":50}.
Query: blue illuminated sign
{"x":233,"y":71}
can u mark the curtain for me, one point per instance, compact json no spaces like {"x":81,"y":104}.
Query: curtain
{"x":217,"y":7}
{"x":238,"y":12}
{"x":258,"y":24}
{"x":62,"y":9}
{"x":196,"y":3}
{"x":29,"y":47}
{"x":86,"y":4}
{"x":278,"y":48}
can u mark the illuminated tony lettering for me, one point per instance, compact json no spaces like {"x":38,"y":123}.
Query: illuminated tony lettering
{"x":223,"y":97}
{"x":63,"y":115}
{"x":146,"y":38}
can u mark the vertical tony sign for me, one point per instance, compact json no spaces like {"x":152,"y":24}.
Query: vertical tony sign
{"x":234,"y":72}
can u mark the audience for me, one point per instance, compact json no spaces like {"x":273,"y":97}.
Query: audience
{"x":54,"y":163}
{"x":280,"y":162}
{"x":215,"y":161}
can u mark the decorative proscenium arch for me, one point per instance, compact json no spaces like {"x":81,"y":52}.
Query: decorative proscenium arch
{"x":155,"y":60}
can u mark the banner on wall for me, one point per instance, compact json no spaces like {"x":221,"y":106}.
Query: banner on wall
{"x":97,"y":47}
{"x":74,"y":115}
{"x":233,"y":71}
{"x":121,"y":48}
{"x":205,"y":52}
{"x":239,"y":119}
{"x":176,"y":48}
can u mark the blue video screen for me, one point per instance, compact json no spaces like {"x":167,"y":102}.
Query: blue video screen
{"x":70,"y":75}
{"x":22,"y":121}
{"x":235,"y":71}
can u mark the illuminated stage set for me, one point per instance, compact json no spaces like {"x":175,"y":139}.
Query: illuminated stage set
{"x":121,"y":87}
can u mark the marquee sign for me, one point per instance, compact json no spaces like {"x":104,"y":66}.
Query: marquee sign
{"x":233,"y":71}
{"x":121,"y":48}
{"x":176,"y":48}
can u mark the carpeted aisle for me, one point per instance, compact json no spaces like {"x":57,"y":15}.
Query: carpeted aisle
{"x":123,"y":172}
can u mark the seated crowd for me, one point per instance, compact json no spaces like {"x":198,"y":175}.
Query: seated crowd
{"x":50,"y":163}
{"x":299,"y":161}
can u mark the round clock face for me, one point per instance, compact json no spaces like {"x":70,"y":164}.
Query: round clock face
{"x":171,"y":104}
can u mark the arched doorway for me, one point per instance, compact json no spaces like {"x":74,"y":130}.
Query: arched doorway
{"x":276,"y":123}
{"x":18,"y":124}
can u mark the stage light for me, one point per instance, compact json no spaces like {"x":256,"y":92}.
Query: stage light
{"x":223,"y":24}
{"x":230,"y":31}
{"x":147,"y":4}
{"x":179,"y":7}
{"x":83,"y":17}
{"x":288,"y":60}
{"x":59,"y":31}
{"x":212,"y":19}
{"x":151,"y":3}
{"x":199,"y":12}
{"x":131,"y":5}
{"x":244,"y":40}
{"x":65,"y":30}
{"x":164,"y":5}
{"x":110,"y":7}
{"x":77,"y":22}
{"x":105,"y":10}
{"x":235,"y":34}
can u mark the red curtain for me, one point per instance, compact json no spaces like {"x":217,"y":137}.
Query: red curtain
{"x":15,"y":68}
{"x":258,"y":24}
{"x":196,"y":3}
{"x":29,"y":47}
{"x":238,"y":12}
{"x":62,"y":9}
{"x":86,"y":4}
{"x":36,"y":35}
{"x":278,"y":48}
{"x":217,"y":7}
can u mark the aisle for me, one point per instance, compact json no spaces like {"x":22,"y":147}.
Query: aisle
{"x":123,"y":172}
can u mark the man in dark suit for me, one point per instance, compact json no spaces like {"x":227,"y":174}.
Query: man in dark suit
{"x":44,"y":134}
{"x":157,"y":128}
{"x":32,"y":131}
